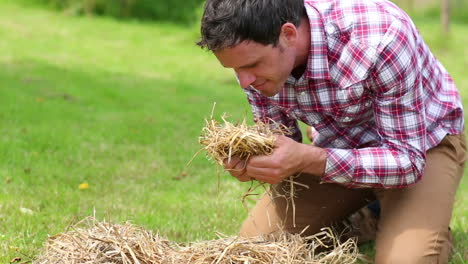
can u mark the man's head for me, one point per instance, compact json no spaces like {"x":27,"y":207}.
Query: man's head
{"x":259,"y":39}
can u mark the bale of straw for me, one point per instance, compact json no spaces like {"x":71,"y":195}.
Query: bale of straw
{"x":91,"y":241}
{"x":284,"y":248}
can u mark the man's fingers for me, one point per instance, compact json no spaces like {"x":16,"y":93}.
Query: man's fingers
{"x":255,"y":169}
{"x":267,"y":175}
{"x":262,"y":162}
{"x":244,"y":178}
{"x":231,"y":163}
{"x":237,"y":168}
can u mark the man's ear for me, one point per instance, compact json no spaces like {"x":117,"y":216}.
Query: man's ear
{"x":289,"y":34}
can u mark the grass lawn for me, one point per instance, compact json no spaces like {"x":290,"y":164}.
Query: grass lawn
{"x":120,"y":106}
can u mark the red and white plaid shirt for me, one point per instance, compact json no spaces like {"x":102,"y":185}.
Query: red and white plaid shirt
{"x":376,"y":96}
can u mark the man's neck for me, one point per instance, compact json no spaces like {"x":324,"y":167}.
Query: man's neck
{"x":303,"y":49}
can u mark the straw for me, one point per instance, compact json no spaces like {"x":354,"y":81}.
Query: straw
{"x":91,"y":241}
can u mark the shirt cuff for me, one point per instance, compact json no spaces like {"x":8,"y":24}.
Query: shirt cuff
{"x":340,"y":166}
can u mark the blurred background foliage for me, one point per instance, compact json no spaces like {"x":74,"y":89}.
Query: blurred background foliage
{"x":431,"y":9}
{"x":189,"y":11}
{"x":179,"y":11}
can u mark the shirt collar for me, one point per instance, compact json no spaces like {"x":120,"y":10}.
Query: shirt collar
{"x":317,"y":62}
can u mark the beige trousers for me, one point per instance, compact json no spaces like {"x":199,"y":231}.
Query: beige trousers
{"x":414,"y":222}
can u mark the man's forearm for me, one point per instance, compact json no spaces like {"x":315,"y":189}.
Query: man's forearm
{"x":314,"y":160}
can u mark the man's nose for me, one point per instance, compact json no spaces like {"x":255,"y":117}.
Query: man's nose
{"x":245,"y":78}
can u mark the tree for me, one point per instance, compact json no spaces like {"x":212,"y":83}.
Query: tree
{"x":445,"y":16}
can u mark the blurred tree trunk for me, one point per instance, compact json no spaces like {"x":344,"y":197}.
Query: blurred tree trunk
{"x":445,"y":16}
{"x":88,"y":7}
{"x":127,"y":8}
{"x":411,"y":5}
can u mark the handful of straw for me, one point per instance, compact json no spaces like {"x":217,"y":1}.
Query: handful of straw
{"x":222,"y":141}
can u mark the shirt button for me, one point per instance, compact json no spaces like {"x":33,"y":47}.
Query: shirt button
{"x":330,"y":28}
{"x":316,"y":122}
{"x":347,"y":119}
{"x":342,"y":95}
{"x":303,"y":94}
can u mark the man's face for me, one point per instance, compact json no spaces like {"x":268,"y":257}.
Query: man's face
{"x":266,"y":68}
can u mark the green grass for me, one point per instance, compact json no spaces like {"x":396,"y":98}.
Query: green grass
{"x":120,"y":106}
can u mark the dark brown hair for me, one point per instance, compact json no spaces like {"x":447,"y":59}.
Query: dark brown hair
{"x":226,"y":23}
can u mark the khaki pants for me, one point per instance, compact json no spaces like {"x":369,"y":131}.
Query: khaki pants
{"x":414,"y":222}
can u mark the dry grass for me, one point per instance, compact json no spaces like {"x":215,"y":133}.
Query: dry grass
{"x":222,"y":141}
{"x":91,"y":241}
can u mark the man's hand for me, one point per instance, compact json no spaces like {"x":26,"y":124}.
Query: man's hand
{"x":237,"y":168}
{"x":288,"y":158}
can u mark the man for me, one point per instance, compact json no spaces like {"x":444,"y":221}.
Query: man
{"x":387,"y":118}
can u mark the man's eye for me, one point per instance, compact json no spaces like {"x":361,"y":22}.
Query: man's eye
{"x":253,"y":65}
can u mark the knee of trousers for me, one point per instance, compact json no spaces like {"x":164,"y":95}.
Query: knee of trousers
{"x":415,"y":247}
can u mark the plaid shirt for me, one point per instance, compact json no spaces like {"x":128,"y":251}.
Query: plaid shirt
{"x":376,"y":96}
